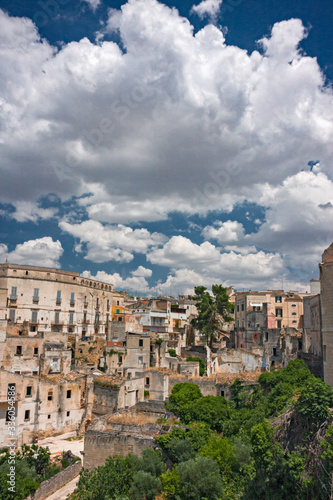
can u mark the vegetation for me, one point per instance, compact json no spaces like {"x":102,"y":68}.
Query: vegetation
{"x":172,"y":353}
{"x":202,"y":366}
{"x":32,"y":467}
{"x":271,"y":441}
{"x":213,"y":311}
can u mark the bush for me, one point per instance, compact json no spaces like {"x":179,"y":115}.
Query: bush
{"x":202,"y":366}
{"x":172,"y":353}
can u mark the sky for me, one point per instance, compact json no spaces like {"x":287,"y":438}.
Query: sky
{"x":160,"y":146}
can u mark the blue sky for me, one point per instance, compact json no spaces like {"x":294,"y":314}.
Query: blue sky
{"x":160,"y":146}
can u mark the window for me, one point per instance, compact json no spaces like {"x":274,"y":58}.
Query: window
{"x":107,"y":318}
{"x":266,"y":336}
{"x":34,"y":316}
{"x":140,"y":360}
{"x":324,"y":353}
{"x":117,"y":302}
{"x":29,"y":391}
{"x":58,"y":299}
{"x":97,"y":302}
{"x":120,"y":318}
{"x":294,"y":314}
{"x":36,"y":295}
{"x":278,"y":323}
{"x":72,"y":299}
{"x":256,"y":308}
{"x":12,"y":315}
{"x":69,"y":394}
{"x":71,"y":318}
{"x":147,"y":380}
{"x":35,"y":351}
{"x":118,"y":311}
{"x":68,"y":413}
{"x":242,"y":307}
{"x":238,"y":308}
{"x":50,"y":395}
{"x":13,"y":294}
{"x":120,"y":358}
{"x":294,"y":322}
{"x":84,"y":317}
{"x":18,"y":350}
{"x":274,"y":351}
{"x":27,"y":415}
{"x":108,"y":305}
{"x":49,"y":417}
{"x":85,"y":303}
{"x":96,"y":318}
{"x":293,"y":305}
{"x":278,"y":299}
{"x":278,"y":313}
{"x":56,"y":318}
{"x":141,"y":343}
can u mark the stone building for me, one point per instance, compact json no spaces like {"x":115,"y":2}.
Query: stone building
{"x":326,"y":284}
{"x":129,"y":355}
{"x":268,"y":309}
{"x":43,"y":406}
{"x":43,"y":299}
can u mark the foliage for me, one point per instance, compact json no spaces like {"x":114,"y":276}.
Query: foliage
{"x":145,"y":486}
{"x":202,"y":366}
{"x":172,"y":353}
{"x":200,"y":478}
{"x":108,"y":481}
{"x":213,"y":310}
{"x":229,"y":449}
{"x":32,"y":466}
{"x":314,"y":402}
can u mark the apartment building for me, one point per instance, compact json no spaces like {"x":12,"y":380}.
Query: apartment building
{"x":39,"y":299}
{"x":269,"y":309}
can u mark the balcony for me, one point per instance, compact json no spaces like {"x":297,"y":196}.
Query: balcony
{"x":85,"y":322}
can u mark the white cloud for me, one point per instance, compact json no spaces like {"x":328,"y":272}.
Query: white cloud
{"x":209,"y":8}
{"x":142,"y":272}
{"x":106,"y":243}
{"x":26,"y":211}
{"x":134,"y":284}
{"x":93,"y":3}
{"x":180,"y":252}
{"x":190,"y":122}
{"x":224,"y":232}
{"x":40,"y":252}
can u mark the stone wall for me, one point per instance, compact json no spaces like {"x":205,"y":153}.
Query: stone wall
{"x":326,"y":281}
{"x":207,"y":387}
{"x":120,"y":440}
{"x":56,"y":482}
{"x":105,"y":399}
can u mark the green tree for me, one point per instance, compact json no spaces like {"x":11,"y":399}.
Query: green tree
{"x":145,"y":486}
{"x":213,"y":311}
{"x":182,"y":395}
{"x":200,"y":478}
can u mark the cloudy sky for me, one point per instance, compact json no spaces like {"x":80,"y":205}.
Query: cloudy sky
{"x":159,"y":146}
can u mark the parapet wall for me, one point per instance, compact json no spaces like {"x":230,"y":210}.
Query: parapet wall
{"x":119,"y":441}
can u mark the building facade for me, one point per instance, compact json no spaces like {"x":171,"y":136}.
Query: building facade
{"x":38,"y":299}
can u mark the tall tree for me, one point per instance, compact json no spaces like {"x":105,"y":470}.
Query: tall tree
{"x":214,"y":309}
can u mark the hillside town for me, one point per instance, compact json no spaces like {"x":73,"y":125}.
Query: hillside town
{"x":84,"y":357}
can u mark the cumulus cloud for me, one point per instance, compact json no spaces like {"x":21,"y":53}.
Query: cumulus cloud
{"x":93,"y":3}
{"x":180,"y":252}
{"x":40,"y":252}
{"x":224,"y":232}
{"x":106,"y":243}
{"x":178,"y":121}
{"x":26,"y":211}
{"x":207,"y":8}
{"x":134,"y":284}
{"x":142,"y":272}
{"x":179,"y":118}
